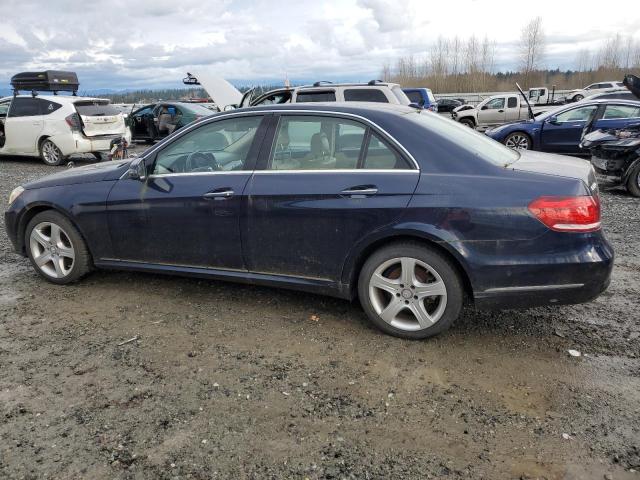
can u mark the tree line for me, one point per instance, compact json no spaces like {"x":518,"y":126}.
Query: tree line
{"x":464,"y":65}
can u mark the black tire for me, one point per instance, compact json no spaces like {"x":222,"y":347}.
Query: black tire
{"x":99,"y":156}
{"x":633,"y":182}
{"x":429,"y":256}
{"x":82,"y":262}
{"x":468,"y":122}
{"x":50,"y":154}
{"x":578,"y":97}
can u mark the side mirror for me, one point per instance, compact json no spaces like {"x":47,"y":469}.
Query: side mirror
{"x":137,"y":170}
{"x":553,"y":120}
{"x":415,"y":105}
{"x":228,"y":108}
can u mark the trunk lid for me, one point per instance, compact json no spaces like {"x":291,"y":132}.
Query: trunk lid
{"x":558,"y":165}
{"x":100,"y":118}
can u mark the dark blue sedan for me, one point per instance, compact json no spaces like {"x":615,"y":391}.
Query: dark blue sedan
{"x":408,"y":212}
{"x":560,"y":130}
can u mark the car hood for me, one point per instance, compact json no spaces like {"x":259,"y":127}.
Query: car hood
{"x":96,"y":172}
{"x":552,"y":164}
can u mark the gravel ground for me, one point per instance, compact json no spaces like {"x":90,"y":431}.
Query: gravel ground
{"x":231,"y":381}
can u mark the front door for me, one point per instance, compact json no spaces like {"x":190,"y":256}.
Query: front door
{"x":23,"y":126}
{"x":493,"y":112}
{"x":325,"y":183}
{"x":186,"y":213}
{"x":561,"y":133}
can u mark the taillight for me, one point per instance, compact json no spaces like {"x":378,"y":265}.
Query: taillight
{"x":568,"y":214}
{"x":74,"y":121}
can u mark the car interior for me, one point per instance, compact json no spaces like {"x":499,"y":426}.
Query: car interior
{"x":169,"y":117}
{"x":327,"y":144}
{"x":219,"y":146}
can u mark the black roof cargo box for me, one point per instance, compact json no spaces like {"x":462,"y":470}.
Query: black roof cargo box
{"x":48,"y":81}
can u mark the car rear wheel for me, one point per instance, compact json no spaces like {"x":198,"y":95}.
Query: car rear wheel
{"x":633,"y":182}
{"x":578,"y":97}
{"x":468,"y":122}
{"x":410,"y":291}
{"x":50,"y":153}
{"x":56,"y":249}
{"x":518,"y":141}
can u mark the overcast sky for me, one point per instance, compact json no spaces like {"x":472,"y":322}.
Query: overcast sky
{"x":152,"y":43}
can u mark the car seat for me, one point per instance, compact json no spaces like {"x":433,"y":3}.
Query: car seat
{"x":319,"y":156}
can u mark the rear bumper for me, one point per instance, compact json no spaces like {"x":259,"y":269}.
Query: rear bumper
{"x":576,"y":274}
{"x":78,"y":143}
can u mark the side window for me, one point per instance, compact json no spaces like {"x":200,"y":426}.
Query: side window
{"x":621,"y":111}
{"x":220,"y":146}
{"x":415,"y":97}
{"x":365,"y":95}
{"x":581,"y":114}
{"x":316,"y":143}
{"x":512,"y":102}
{"x":4,"y":108}
{"x":24,"y":107}
{"x":315,"y":96}
{"x":381,"y":156}
{"x":275,"y":99}
{"x":593,"y":86}
{"x":47,"y":106}
{"x":495,"y":104}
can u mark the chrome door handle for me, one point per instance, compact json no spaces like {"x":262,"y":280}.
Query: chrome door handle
{"x":219,"y":194}
{"x":362,"y":192}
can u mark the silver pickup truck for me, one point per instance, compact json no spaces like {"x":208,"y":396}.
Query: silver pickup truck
{"x":496,"y":110}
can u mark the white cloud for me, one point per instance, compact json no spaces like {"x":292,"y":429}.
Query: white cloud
{"x":149,"y":43}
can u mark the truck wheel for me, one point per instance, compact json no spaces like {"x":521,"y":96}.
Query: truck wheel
{"x":633,"y":182}
{"x":518,"y":141}
{"x":50,"y":153}
{"x":468,"y":122}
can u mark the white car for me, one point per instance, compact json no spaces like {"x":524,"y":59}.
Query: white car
{"x":53,"y":127}
{"x":600,"y":87}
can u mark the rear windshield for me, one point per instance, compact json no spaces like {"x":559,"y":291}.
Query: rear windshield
{"x":96,"y":109}
{"x":477,"y":143}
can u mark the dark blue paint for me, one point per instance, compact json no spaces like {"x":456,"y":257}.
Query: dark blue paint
{"x":297,"y":230}
{"x":564,"y":137}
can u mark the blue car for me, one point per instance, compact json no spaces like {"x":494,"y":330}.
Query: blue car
{"x":560,"y":130}
{"x":422,"y":97}
{"x":405,"y":211}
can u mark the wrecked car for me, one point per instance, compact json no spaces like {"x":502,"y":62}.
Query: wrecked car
{"x":158,"y":120}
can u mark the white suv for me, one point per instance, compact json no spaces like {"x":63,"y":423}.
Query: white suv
{"x":53,"y":127}
{"x":600,"y":87}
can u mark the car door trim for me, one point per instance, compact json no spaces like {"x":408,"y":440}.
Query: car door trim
{"x":219,"y":116}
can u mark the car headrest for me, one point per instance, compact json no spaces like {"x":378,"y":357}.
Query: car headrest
{"x":319,"y":145}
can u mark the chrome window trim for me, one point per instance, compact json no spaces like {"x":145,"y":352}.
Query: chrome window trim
{"x":339,"y":170}
{"x":220,"y":116}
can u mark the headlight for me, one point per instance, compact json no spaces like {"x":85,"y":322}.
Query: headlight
{"x":15,"y":194}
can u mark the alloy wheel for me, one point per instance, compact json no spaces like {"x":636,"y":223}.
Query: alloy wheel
{"x":52,"y":250}
{"x":50,"y":153}
{"x":407,"y":294}
{"x":518,"y":142}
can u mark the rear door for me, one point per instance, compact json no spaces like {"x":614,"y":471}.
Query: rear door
{"x":23,"y":126}
{"x":513,"y":109}
{"x":99,"y":118}
{"x":563,"y":134}
{"x":325,"y":183}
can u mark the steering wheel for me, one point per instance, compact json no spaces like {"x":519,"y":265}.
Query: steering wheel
{"x":201,"y":162}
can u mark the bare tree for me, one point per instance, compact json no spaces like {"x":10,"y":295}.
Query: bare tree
{"x":532,"y":48}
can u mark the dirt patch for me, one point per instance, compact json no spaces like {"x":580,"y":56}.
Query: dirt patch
{"x":232,"y":381}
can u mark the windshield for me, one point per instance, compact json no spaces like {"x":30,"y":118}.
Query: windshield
{"x":476,"y":143}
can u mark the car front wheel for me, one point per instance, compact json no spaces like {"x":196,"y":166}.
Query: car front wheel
{"x":518,"y":141}
{"x":56,"y":248}
{"x":410,"y":291}
{"x":577,"y":98}
{"x":469,"y":123}
{"x":50,"y":153}
{"x":633,"y":182}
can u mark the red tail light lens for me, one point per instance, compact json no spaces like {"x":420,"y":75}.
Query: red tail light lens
{"x":568,"y":214}
{"x":74,"y":121}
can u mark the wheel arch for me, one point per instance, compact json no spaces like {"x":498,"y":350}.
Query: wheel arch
{"x":350,"y":276}
{"x":34,"y":210}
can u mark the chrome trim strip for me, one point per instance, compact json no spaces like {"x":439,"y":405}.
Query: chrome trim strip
{"x":336,"y":170}
{"x":534,"y":288}
{"x":215,"y":117}
{"x":192,"y":174}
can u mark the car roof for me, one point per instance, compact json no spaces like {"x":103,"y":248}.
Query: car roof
{"x":324,"y":86}
{"x":355,"y":108}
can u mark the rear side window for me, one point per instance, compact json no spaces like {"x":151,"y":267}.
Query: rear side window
{"x":381,"y":156}
{"x":512,"y":102}
{"x":400,"y":95}
{"x":621,"y":111}
{"x":328,"y":96}
{"x":96,"y":109}
{"x":415,"y":97}
{"x":24,"y":107}
{"x":47,"y":106}
{"x":365,"y":95}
